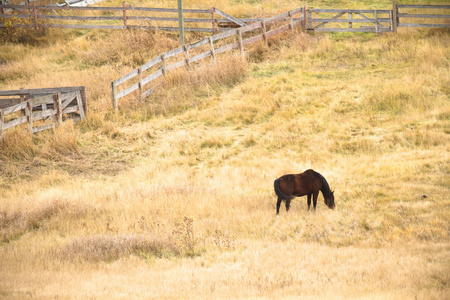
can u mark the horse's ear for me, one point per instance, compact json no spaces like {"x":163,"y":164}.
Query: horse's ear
{"x":332,"y":192}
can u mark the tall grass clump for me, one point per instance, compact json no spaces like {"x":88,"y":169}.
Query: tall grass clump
{"x":111,"y":247}
{"x":17,"y":145}
{"x":185,"y":89}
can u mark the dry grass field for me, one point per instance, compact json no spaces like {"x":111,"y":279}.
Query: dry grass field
{"x":172,"y":197}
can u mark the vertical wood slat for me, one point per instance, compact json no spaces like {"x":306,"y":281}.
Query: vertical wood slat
{"x":213,"y":20}
{"x":304,"y":19}
{"x":141,"y":88}
{"x":213,"y":52}
{"x":350,"y":23}
{"x":376,"y":22}
{"x":57,"y":107}
{"x":36,"y":24}
{"x":29,"y":111}
{"x":264,"y":32}
{"x":163,"y":67}
{"x":291,"y":22}
{"x":188,"y":59}
{"x":84,"y":99}
{"x":309,"y":19}
{"x":2,"y":121}
{"x":124,"y":15}
{"x":241,"y":45}
{"x":114,"y":94}
{"x":80,"y":105}
{"x":394,"y":16}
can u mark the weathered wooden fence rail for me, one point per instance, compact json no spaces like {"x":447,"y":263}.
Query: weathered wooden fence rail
{"x":421,"y":14}
{"x":125,"y":17}
{"x":359,"y":20}
{"x":41,"y":109}
{"x":259,"y":31}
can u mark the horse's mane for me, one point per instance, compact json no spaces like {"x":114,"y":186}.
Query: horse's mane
{"x":325,"y":187}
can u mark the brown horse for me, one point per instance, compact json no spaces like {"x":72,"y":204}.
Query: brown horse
{"x":308,"y":183}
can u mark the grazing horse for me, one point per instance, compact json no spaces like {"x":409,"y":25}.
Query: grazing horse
{"x":308,"y":183}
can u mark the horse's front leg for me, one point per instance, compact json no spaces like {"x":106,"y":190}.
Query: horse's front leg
{"x":309,"y":201}
{"x":315,"y":195}
{"x":278,"y":205}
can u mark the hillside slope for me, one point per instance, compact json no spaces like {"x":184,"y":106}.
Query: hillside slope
{"x":174,"y":198}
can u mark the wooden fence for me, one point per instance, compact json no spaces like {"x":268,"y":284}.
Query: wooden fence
{"x":359,"y":20}
{"x":259,"y":31}
{"x":363,"y":20}
{"x":125,"y":17}
{"x":41,"y":109}
{"x":423,"y":15}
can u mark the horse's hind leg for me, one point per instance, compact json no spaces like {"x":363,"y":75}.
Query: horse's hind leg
{"x":278,"y":205}
{"x":309,"y":201}
{"x":288,"y":204}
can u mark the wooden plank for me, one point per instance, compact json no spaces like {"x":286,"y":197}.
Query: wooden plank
{"x":224,"y":35}
{"x":41,"y":100}
{"x":424,"y":25}
{"x":237,"y":21}
{"x":175,"y":65}
{"x":367,"y":29}
{"x":382,"y":20}
{"x":251,"y":27}
{"x":40,"y":92}
{"x":201,"y":56}
{"x":81,"y":26}
{"x":227,"y":47}
{"x":152,"y":77}
{"x":127,"y":91}
{"x":43,"y":127}
{"x":43,"y":114}
{"x":15,"y":108}
{"x":79,"y":18}
{"x":409,"y":16}
{"x":199,"y":43}
{"x":423,"y":6}
{"x":253,"y":40}
{"x":67,"y":99}
{"x":355,"y":11}
{"x":15,"y":122}
{"x":71,"y":109}
{"x":174,"y":52}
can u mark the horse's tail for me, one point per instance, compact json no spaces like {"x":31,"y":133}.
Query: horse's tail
{"x":276,"y":185}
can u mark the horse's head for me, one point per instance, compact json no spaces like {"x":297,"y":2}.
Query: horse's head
{"x":329,"y":200}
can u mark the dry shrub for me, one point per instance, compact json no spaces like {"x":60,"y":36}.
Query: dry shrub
{"x":17,"y":144}
{"x":107,"y":248}
{"x":15,"y":223}
{"x":127,"y":48}
{"x":184,"y":89}
{"x":62,"y":141}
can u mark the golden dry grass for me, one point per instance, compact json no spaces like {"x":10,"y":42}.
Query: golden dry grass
{"x":173,"y":198}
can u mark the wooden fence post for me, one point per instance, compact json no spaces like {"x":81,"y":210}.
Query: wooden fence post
{"x":80,"y":105}
{"x":264,"y":32}
{"x":394,"y":16}
{"x":241,"y":45}
{"x":2,"y":120}
{"x":188,"y":59}
{"x":213,"y":18}
{"x":84,"y":99}
{"x":57,"y":107}
{"x":304,"y":19}
{"x":291,"y":22}
{"x":377,"y":30}
{"x":36,"y":24}
{"x":124,"y":15}
{"x":350,"y":23}
{"x":309,"y":19}
{"x":163,"y":67}
{"x":114,"y":94}
{"x":213,"y":52}
{"x":30,"y":116}
{"x":140,"y":83}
